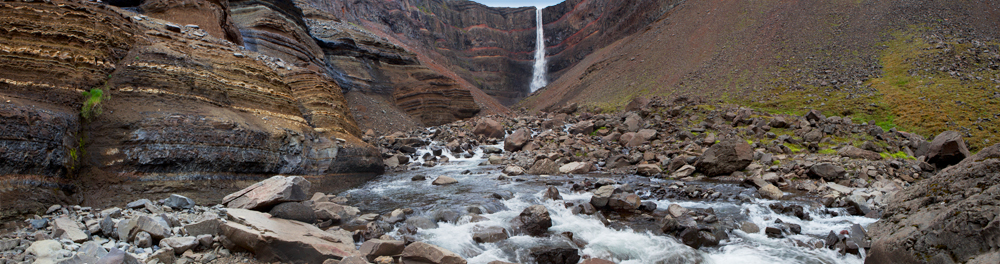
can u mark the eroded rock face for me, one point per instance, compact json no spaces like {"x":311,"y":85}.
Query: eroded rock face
{"x":944,"y":219}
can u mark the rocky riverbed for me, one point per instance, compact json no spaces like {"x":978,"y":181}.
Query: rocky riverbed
{"x":679,"y":181}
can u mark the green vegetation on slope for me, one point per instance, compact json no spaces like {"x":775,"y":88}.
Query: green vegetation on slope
{"x":935,"y":84}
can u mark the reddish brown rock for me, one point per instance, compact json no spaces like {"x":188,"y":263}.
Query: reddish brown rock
{"x":421,"y":252}
{"x":267,"y":193}
{"x":488,"y":128}
{"x":274,"y":239}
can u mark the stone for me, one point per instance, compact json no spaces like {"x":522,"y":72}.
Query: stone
{"x":164,"y":255}
{"x":557,"y":255}
{"x":632,"y":122}
{"x":513,"y":170}
{"x":576,"y":167}
{"x":856,"y":153}
{"x":267,"y":193}
{"x":91,"y":252}
{"x":125,"y":228}
{"x":490,"y":234}
{"x":156,"y":229}
{"x":517,"y":140}
{"x":770,"y":191}
{"x":814,"y":135}
{"x":375,"y":248}
{"x":488,"y":128}
{"x":773,"y":232}
{"x":544,"y":167}
{"x":274,"y":239}
{"x":39,"y":224}
{"x":624,"y":202}
{"x":827,"y":171}
{"x":294,"y":211}
{"x":602,"y":196}
{"x":71,"y":229}
{"x":353,"y":260}
{"x":676,"y":210}
{"x":648,"y":169}
{"x":684,"y":171}
{"x":947,"y":148}
{"x":749,"y":228}
{"x":420,"y":252}
{"x":179,"y":202}
{"x":179,"y":244}
{"x":815,"y":116}
{"x":108,"y":227}
{"x":143,"y":240}
{"x":641,"y":138}
{"x":534,"y":221}
{"x":725,"y":157}
{"x":117,"y":256}
{"x":552,"y":193}
{"x":139,"y":203}
{"x":696,"y":238}
{"x":419,"y":177}
{"x":444,"y":180}
{"x":45,"y":251}
{"x":582,"y":127}
{"x":208,"y":226}
{"x":113,"y":212}
{"x":597,"y":261}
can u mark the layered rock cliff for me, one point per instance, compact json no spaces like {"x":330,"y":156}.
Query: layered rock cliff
{"x":492,"y":48}
{"x":185,"y":109}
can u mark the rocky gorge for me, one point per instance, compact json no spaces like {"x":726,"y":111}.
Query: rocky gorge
{"x":379,"y":132}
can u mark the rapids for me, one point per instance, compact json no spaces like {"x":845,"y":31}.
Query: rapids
{"x":478,"y":186}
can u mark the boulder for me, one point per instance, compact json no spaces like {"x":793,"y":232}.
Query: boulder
{"x":597,"y":261}
{"x":602,"y":196}
{"x":556,"y":255}
{"x":633,"y":122}
{"x":157,"y":229}
{"x":71,"y":229}
{"x":648,"y":169}
{"x":517,"y":140}
{"x":178,"y":202}
{"x":513,"y":170}
{"x":179,"y":244}
{"x":534,"y":221}
{"x":444,"y":180}
{"x":544,"y":166}
{"x":827,"y":171}
{"x":726,"y":157}
{"x":582,"y":127}
{"x":207,"y":225}
{"x":624,"y":202}
{"x":488,"y":128}
{"x":637,"y":104}
{"x":489,"y":234}
{"x":696,"y":238}
{"x":552,"y":193}
{"x":947,"y":148}
{"x":815,"y":116}
{"x":944,"y":218}
{"x":770,"y":191}
{"x":749,"y":228}
{"x":576,"y":167}
{"x":375,"y":248}
{"x":420,"y":252}
{"x":280,"y":240}
{"x":856,"y":153}
{"x":294,"y":211}
{"x":676,"y":210}
{"x":267,"y":193}
{"x":641,"y":138}
{"x":143,"y":240}
{"x":684,"y":171}
{"x":45,"y":251}
{"x":117,"y":256}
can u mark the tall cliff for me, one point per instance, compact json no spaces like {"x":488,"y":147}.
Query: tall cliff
{"x":492,"y":48}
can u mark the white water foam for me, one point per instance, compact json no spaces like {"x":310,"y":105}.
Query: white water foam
{"x":538,"y":79}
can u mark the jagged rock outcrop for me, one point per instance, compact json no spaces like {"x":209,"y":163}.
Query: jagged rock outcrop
{"x":492,"y":48}
{"x":948,"y":218}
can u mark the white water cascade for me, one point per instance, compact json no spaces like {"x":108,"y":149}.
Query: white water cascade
{"x":538,"y":79}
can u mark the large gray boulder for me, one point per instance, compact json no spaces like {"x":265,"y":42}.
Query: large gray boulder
{"x":421,"y":252}
{"x":725,"y":157}
{"x":544,"y":166}
{"x":948,"y":218}
{"x":267,"y":193}
{"x":279,"y":240}
{"x":71,"y":229}
{"x":534,"y":221}
{"x":948,"y":148}
{"x":517,"y":140}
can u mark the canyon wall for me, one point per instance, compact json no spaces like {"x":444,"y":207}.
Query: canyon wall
{"x":492,"y":48}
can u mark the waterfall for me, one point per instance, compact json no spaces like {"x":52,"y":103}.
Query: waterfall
{"x":538,"y":79}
